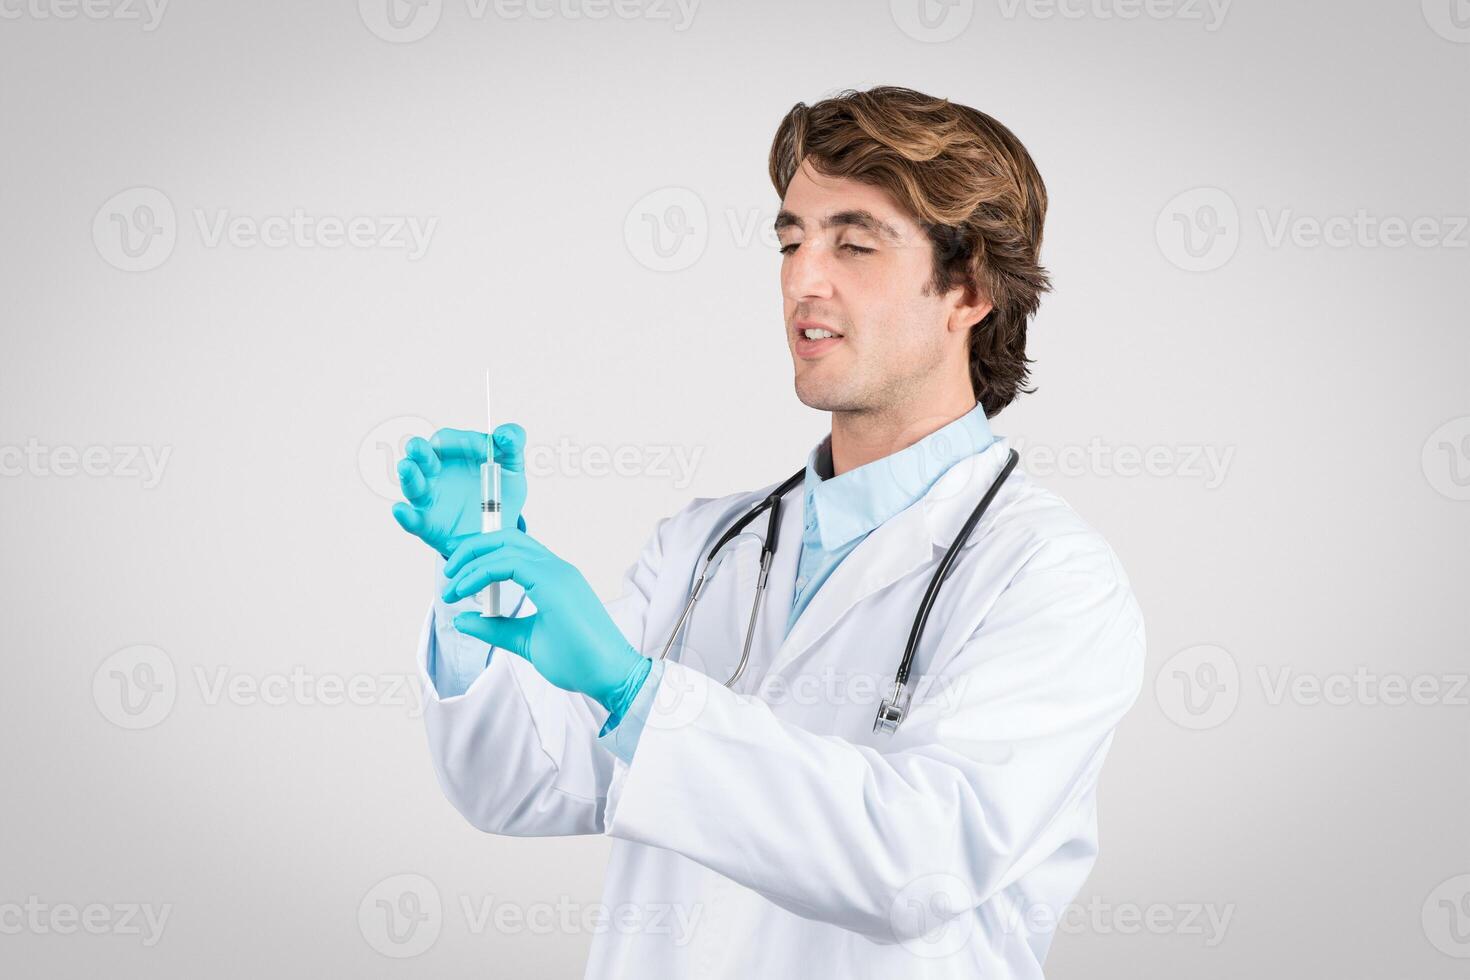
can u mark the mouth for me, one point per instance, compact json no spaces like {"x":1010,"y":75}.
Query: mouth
{"x":813,"y":339}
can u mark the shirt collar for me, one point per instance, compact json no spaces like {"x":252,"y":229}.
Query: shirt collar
{"x":859,"y":500}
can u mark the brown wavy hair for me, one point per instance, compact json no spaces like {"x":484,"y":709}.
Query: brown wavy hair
{"x":969,"y":183}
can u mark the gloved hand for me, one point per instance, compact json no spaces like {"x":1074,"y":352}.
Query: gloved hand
{"x":440,"y":479}
{"x":570,"y":639}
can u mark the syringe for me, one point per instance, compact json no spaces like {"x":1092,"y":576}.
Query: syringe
{"x":489,"y":503}
{"x":490,"y":521}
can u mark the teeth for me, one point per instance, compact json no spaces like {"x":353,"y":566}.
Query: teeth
{"x":816,"y":333}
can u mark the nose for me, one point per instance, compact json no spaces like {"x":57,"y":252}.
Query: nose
{"x":806,"y":272}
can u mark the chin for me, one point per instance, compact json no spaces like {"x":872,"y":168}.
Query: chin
{"x":823,"y":396}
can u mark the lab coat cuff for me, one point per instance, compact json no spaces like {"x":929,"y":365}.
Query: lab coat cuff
{"x":453,"y":660}
{"x":620,"y":735}
{"x":641,"y":797}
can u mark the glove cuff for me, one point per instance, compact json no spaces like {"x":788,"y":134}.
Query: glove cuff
{"x":621,"y":697}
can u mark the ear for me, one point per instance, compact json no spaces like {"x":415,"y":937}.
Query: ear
{"x":970,"y":308}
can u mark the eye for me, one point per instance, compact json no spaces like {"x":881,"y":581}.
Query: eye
{"x":855,"y":249}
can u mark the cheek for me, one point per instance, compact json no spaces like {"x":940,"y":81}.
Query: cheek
{"x":902,"y":328}
{"x":885,"y":317}
{"x":868,"y":306}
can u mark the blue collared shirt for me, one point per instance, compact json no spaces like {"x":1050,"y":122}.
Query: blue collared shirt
{"x":840,"y":511}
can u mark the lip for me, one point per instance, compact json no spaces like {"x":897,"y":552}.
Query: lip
{"x":811,"y":349}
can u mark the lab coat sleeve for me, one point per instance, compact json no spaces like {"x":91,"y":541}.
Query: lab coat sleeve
{"x":987,"y":777}
{"x":514,"y":754}
{"x":453,"y":666}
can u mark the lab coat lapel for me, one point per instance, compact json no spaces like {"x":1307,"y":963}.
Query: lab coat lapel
{"x":906,"y":542}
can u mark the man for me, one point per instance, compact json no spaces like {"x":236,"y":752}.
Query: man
{"x":768,"y":826}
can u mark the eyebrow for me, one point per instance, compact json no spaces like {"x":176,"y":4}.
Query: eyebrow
{"x":853,"y":218}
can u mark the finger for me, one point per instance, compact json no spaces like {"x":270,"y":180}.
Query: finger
{"x":473,"y":547}
{"x":478,"y":573}
{"x":476,"y":545}
{"x":455,"y":541}
{"x":500,"y":566}
{"x":462,"y":444}
{"x":423,"y":454}
{"x":510,"y":447}
{"x":411,"y":480}
{"x":511,"y":633}
{"x":409,"y":519}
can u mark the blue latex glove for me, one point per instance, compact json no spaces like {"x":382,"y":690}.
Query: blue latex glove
{"x":570,"y":639}
{"x":440,"y":478}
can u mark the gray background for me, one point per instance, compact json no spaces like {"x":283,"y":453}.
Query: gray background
{"x":1329,"y":380}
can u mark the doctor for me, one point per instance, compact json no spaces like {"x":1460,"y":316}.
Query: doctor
{"x":766,"y":829}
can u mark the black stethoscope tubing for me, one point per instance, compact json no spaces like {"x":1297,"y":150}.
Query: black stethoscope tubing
{"x":892,"y":710}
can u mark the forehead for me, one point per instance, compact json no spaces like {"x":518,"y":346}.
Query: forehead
{"x":814,"y":198}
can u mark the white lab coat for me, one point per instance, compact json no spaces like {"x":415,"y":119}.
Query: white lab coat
{"x":791,"y":839}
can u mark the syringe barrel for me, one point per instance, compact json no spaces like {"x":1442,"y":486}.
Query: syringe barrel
{"x":490,"y":521}
{"x":490,"y":486}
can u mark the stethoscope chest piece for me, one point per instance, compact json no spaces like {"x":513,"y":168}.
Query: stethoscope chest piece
{"x":891,"y":711}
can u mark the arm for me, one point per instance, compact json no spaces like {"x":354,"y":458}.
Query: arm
{"x":499,"y":739}
{"x":975,"y":796}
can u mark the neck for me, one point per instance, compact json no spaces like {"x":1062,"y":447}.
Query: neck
{"x":862,"y":436}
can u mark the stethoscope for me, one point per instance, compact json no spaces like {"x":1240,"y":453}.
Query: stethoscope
{"x":892,"y":709}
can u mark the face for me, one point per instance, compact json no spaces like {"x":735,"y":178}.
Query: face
{"x":854,"y":264}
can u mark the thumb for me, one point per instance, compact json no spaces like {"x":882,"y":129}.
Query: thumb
{"x":511,"y":633}
{"x":409,"y":519}
{"x":510,"y":447}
